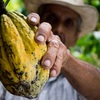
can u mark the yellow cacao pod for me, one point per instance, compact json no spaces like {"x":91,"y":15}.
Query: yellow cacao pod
{"x":20,"y":56}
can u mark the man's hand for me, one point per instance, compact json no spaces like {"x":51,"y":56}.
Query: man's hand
{"x":57,"y":53}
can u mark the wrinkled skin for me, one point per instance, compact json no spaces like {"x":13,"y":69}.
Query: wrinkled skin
{"x":79,"y":73}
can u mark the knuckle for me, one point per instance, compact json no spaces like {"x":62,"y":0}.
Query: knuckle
{"x":54,"y":43}
{"x":57,"y":37}
{"x":60,"y":55}
{"x":63,"y":46}
{"x":63,"y":49}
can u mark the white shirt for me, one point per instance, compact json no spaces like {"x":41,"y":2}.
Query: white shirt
{"x":55,"y":89}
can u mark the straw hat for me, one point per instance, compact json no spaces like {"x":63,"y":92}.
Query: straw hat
{"x":88,"y":13}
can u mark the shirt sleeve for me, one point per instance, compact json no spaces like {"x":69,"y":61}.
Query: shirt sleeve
{"x":2,"y":91}
{"x":80,"y":97}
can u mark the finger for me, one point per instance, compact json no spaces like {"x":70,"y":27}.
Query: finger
{"x":65,"y":60}
{"x":43,"y":32}
{"x":53,"y":37}
{"x":50,"y":56}
{"x":55,"y":70}
{"x":33,"y":18}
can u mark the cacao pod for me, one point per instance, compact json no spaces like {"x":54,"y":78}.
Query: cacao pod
{"x":20,"y":56}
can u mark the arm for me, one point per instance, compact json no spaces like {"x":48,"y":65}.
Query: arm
{"x":85,"y":78}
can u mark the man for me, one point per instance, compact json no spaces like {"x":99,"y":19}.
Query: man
{"x":70,"y":78}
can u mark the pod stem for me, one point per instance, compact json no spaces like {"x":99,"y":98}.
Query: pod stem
{"x":2,"y":7}
{"x":7,"y":3}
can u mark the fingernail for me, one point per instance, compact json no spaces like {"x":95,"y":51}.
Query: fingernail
{"x":33,"y":19}
{"x":53,"y":72}
{"x":40,"y":38}
{"x":47,"y":63}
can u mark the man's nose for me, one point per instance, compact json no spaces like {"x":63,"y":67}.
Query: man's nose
{"x":59,"y":31}
{"x":59,"y":28}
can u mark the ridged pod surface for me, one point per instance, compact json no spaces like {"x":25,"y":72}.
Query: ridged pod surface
{"x":20,"y":56}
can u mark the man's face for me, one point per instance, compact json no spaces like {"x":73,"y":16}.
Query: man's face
{"x":63,"y":21}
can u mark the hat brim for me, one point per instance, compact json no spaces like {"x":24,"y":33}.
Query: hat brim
{"x":89,"y":14}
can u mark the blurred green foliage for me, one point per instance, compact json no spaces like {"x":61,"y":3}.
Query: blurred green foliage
{"x":16,"y":5}
{"x":95,"y":3}
{"x":87,"y":47}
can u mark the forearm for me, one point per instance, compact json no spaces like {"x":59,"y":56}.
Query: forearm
{"x":84,"y":77}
